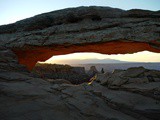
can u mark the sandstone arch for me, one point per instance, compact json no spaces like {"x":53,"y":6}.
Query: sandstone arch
{"x":90,"y":29}
{"x":83,"y":29}
{"x":31,"y":55}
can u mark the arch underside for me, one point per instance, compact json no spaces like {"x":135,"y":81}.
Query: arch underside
{"x":82,"y":29}
{"x":30,"y":55}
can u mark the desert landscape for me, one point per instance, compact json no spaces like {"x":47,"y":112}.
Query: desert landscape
{"x":110,"y":67}
{"x":30,"y":90}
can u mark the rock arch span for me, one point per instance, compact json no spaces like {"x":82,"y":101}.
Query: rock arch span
{"x":31,"y":55}
{"x":84,"y":29}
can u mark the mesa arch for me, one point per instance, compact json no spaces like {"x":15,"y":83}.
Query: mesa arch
{"x":84,"y":29}
{"x":32,"y":55}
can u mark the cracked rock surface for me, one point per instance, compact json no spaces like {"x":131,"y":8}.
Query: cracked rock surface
{"x":84,"y":29}
{"x":133,"y":94}
{"x":24,"y":96}
{"x":83,"y":25}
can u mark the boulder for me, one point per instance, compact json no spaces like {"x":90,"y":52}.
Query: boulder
{"x":153,"y":73}
{"x":116,"y":81}
{"x":138,"y":80}
{"x":92,"y":71}
{"x":134,"y":72}
{"x":118,"y":71}
{"x":101,"y":78}
{"x":137,"y":75}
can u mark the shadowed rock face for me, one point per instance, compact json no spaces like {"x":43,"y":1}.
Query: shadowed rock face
{"x":83,"y":29}
{"x":24,"y":96}
{"x":75,"y":75}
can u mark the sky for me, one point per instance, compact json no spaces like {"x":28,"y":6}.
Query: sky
{"x":144,"y":56}
{"x":15,"y":10}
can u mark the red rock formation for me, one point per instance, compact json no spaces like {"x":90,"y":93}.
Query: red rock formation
{"x":30,"y":55}
{"x":84,"y":29}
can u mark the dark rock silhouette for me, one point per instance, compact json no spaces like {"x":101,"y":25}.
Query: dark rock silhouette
{"x":84,"y":29}
{"x":25,"y":96}
{"x":75,"y":75}
{"x":92,"y":72}
{"x":102,"y":70}
{"x":131,"y":94}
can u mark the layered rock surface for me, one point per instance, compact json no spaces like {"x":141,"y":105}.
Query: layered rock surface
{"x":137,"y":79}
{"x":24,"y":96}
{"x":75,"y":75}
{"x":83,"y":29}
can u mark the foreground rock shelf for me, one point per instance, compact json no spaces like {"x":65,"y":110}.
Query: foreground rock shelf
{"x":24,"y":96}
{"x":34,"y":98}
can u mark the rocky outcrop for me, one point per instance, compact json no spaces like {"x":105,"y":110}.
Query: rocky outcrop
{"x":24,"y":95}
{"x":75,"y":75}
{"x":136,"y":75}
{"x":83,"y":29}
{"x":9,"y":61}
{"x":137,"y":79}
{"x":92,"y":71}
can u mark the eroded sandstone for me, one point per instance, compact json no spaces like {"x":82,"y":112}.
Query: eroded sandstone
{"x":83,"y":29}
{"x":26,"y":96}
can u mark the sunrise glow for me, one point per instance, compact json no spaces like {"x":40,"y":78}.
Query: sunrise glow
{"x":144,"y":56}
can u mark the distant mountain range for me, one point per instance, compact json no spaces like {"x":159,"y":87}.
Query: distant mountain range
{"x":90,"y":61}
{"x":108,"y":64}
{"x":109,"y":67}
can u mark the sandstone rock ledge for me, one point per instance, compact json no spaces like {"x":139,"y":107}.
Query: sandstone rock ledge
{"x":23,"y":96}
{"x":83,"y":29}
